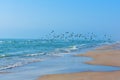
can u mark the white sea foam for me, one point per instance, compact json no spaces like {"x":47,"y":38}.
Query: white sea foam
{"x":34,"y":54}
{"x":2,"y":55}
{"x":18,"y":64}
{"x":73,"y":47}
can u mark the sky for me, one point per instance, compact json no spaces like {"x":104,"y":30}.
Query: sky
{"x":33,"y":18}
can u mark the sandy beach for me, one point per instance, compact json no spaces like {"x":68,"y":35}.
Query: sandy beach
{"x":108,"y":55}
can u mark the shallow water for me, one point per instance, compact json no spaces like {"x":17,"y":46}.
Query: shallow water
{"x":14,"y":53}
{"x":64,"y":64}
{"x":29,"y":59}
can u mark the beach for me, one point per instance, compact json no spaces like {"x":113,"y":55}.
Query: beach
{"x":51,"y":60}
{"x":59,"y":40}
{"x":108,"y":55}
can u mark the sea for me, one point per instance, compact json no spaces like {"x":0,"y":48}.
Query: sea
{"x":28,"y":59}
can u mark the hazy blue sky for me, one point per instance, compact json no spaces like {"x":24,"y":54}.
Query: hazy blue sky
{"x":33,"y":18}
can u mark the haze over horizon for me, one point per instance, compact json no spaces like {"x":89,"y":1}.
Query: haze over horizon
{"x":33,"y":18}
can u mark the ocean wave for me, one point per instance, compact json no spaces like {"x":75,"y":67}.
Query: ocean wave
{"x":67,"y":49}
{"x":34,"y":54}
{"x":18,"y":64}
{"x":62,"y":50}
{"x":56,"y":52}
{"x":4,"y":55}
{"x":73,"y":47}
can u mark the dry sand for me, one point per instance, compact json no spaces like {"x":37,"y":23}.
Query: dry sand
{"x":106,"y":55}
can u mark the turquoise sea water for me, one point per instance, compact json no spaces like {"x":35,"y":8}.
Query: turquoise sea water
{"x":28,"y":59}
{"x":15,"y":53}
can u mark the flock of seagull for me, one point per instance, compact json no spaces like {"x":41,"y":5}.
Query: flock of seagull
{"x":73,"y":36}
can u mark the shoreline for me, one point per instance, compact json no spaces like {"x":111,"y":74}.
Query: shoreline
{"x":106,"y":55}
{"x":114,"y":75}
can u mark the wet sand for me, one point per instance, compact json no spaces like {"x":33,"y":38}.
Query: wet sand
{"x":108,"y":58}
{"x":105,"y":55}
